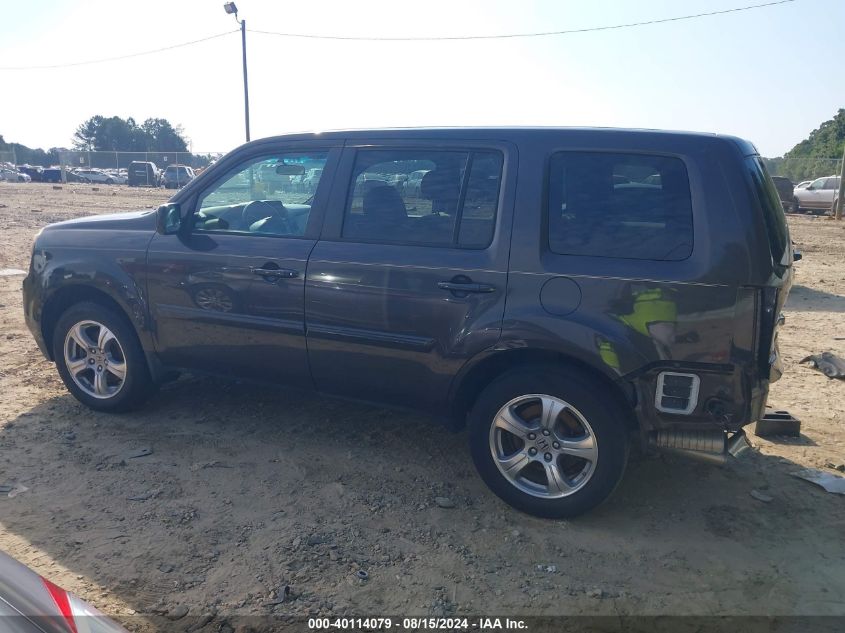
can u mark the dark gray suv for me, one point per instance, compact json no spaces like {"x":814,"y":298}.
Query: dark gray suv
{"x":557,"y":291}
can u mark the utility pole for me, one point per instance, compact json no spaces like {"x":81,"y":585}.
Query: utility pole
{"x":232,"y":9}
{"x":246,"y":84}
{"x":837,"y":212}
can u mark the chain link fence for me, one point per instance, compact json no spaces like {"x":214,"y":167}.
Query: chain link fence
{"x":112,"y":167}
{"x":120,"y":160}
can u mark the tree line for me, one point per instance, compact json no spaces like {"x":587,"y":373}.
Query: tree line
{"x":817,"y":155}
{"x":107,"y":134}
{"x":114,"y":134}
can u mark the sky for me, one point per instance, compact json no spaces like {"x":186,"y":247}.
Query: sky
{"x":767,"y":74}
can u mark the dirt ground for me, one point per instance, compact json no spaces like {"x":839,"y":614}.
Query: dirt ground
{"x":251,"y":488}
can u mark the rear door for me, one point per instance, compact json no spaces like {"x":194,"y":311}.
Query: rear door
{"x":226,"y":293}
{"x":407,"y":282}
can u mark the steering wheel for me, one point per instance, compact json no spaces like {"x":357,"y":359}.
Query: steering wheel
{"x":263,"y":209}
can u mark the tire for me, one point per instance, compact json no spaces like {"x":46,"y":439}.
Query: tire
{"x":583,"y":482}
{"x":110,"y":181}
{"x":796,"y":206}
{"x":109,"y":392}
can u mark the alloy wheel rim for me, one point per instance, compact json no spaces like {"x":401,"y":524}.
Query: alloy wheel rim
{"x":95,"y":360}
{"x":543,"y":446}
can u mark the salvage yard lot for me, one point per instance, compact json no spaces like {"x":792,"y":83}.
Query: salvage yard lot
{"x":251,"y":487}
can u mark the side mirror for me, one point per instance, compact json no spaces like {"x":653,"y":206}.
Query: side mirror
{"x":169,"y":218}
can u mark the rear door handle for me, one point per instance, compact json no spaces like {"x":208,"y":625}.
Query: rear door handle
{"x":455,"y":286}
{"x":276,"y":273}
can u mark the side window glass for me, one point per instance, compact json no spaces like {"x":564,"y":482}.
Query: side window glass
{"x":818,"y":183}
{"x":436,"y":198}
{"x":619,"y":205}
{"x":478,"y":217}
{"x":266,"y":196}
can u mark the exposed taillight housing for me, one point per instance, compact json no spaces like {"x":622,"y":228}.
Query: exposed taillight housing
{"x":676,"y":392}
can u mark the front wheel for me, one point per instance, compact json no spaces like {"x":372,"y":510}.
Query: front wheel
{"x":100,"y":359}
{"x":548,"y":442}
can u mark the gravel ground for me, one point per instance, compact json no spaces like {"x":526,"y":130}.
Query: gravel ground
{"x":251,"y":488}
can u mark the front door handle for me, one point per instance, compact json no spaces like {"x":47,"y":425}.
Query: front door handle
{"x":275,"y":273}
{"x":457,"y":286}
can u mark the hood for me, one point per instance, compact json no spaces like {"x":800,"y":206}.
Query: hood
{"x":132,"y":221}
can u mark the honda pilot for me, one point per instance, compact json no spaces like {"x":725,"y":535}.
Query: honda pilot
{"x":560,"y":293}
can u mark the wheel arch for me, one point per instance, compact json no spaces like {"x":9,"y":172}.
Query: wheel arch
{"x":67,"y":296}
{"x":477,"y":375}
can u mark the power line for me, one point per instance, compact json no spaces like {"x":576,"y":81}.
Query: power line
{"x":119,"y":57}
{"x":316,"y":36}
{"x":434,"y":38}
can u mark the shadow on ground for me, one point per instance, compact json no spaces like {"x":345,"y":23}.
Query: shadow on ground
{"x":804,"y":299}
{"x":252,"y":488}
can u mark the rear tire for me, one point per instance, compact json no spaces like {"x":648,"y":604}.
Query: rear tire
{"x":100,"y":359}
{"x":561,"y":473}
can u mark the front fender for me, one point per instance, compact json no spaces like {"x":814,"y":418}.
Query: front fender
{"x":60,"y":276}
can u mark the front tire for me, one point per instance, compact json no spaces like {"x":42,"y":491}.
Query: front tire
{"x":100,"y":359}
{"x":548,"y":441}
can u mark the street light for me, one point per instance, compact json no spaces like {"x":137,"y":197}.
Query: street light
{"x":232,"y":9}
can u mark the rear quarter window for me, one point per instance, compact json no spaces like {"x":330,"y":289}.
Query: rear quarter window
{"x":771,"y":206}
{"x":632,"y":206}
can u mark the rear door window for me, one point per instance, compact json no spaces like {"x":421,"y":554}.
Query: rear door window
{"x":633,"y":206}
{"x":424,"y":197}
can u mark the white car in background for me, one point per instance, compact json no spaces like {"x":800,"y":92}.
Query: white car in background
{"x":11,"y":175}
{"x":818,"y":195}
{"x":117,"y":175}
{"x":96,"y":175}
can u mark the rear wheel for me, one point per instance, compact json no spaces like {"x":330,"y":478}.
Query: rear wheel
{"x":100,"y":359}
{"x":548,"y":442}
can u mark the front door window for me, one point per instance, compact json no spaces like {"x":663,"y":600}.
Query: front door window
{"x":267,"y":196}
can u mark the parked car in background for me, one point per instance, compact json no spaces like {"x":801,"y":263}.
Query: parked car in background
{"x":13,"y":175}
{"x":143,"y":174}
{"x":33,"y":171}
{"x":176,"y":176}
{"x":817,"y":196}
{"x":96,"y":176}
{"x":412,"y":184}
{"x":785,"y":189}
{"x":51,"y":174}
{"x":520,"y":293}
{"x":72,"y":176}
{"x":30,"y":603}
{"x":312,"y":177}
{"x":118,"y":176}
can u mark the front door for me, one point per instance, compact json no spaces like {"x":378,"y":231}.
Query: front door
{"x":226,"y":293}
{"x":409,"y":278}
